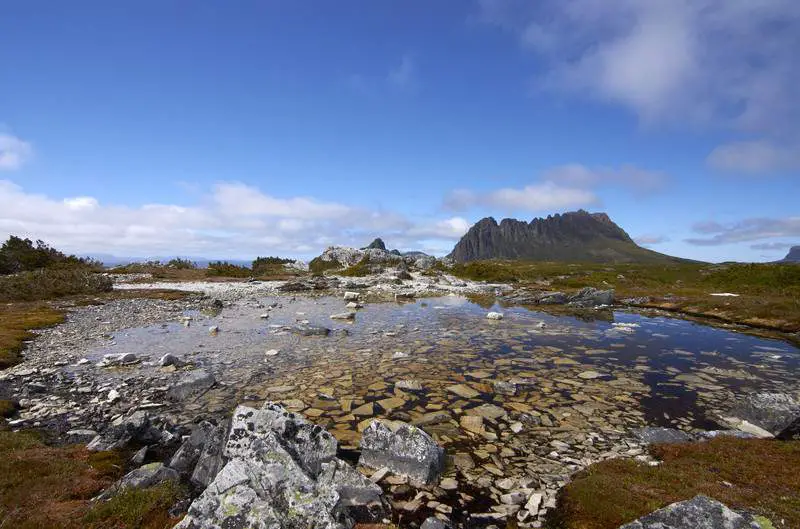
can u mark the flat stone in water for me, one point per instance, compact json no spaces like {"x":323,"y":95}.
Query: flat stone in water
{"x":463,"y":391}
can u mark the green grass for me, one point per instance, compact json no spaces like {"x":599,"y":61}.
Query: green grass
{"x":759,"y":476}
{"x":137,"y":508}
{"x":360,"y":269}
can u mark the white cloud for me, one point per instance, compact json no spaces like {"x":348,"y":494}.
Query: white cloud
{"x":721,"y":63}
{"x":536,"y":197}
{"x":558,"y":188}
{"x":757,"y":156}
{"x":13,"y":152}
{"x":233,"y":220}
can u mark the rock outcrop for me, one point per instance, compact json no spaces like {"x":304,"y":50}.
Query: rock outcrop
{"x":282,"y":471}
{"x":573,"y":236}
{"x":701,"y":512}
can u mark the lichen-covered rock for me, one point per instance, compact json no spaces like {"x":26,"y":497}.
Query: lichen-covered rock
{"x":211,"y":459}
{"x":283,"y":472}
{"x":700,"y":512}
{"x":405,"y":450}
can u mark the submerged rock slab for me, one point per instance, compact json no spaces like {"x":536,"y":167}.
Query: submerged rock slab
{"x":190,"y":385}
{"x":283,"y":472}
{"x":701,"y":512}
{"x":407,"y":450}
{"x":653,"y":435}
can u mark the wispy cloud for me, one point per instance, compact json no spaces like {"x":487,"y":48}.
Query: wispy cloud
{"x":757,"y":156}
{"x":650,"y":240}
{"x":723,"y":63}
{"x":231,"y":220}
{"x":13,"y":152}
{"x":747,"y":230}
{"x":772,"y":246}
{"x":562,"y":187}
{"x":404,"y":75}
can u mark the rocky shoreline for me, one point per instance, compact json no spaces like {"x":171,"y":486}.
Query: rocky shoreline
{"x":510,"y":442}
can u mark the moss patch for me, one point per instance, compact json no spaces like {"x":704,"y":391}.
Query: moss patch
{"x":759,"y":476}
{"x":16,"y":322}
{"x":43,"y":486}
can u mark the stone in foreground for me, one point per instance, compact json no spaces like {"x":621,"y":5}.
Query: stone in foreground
{"x":405,"y":450}
{"x":190,"y":385}
{"x":282,"y":471}
{"x":701,"y":512}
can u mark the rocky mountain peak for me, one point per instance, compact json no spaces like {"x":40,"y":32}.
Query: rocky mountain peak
{"x":793,"y":256}
{"x":571,"y":236}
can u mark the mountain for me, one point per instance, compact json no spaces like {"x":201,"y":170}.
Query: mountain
{"x":572,"y":236}
{"x":793,"y":256}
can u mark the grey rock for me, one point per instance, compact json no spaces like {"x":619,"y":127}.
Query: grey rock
{"x":713,"y":434}
{"x":433,"y":523}
{"x":407,"y":451}
{"x":653,"y":435}
{"x":139,"y":457}
{"x":134,"y":427}
{"x":141,"y":478}
{"x":777,"y":413}
{"x":185,"y":459}
{"x":504,"y":387}
{"x":171,"y":360}
{"x":592,"y":297}
{"x":211,"y":459}
{"x":191,"y":384}
{"x":283,"y":473}
{"x":701,"y":512}
{"x":310,"y":330}
{"x":551,"y":298}
{"x":344,"y":316}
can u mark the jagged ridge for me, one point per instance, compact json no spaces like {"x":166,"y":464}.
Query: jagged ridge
{"x":572,"y":236}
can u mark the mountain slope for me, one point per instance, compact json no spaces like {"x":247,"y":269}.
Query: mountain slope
{"x":573,"y":236}
{"x":793,"y":256}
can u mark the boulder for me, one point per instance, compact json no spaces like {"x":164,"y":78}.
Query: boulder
{"x":351,"y":296}
{"x":405,"y":450}
{"x":777,"y":413}
{"x":142,"y":478}
{"x":191,"y":384}
{"x":701,"y":512}
{"x":551,"y":298}
{"x":283,"y":472}
{"x":185,"y":459}
{"x":592,"y":297}
{"x":495,"y":316}
{"x":344,"y":316}
{"x":211,"y":460}
{"x":171,"y":360}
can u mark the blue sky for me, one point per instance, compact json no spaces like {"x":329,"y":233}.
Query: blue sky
{"x":249,"y":128}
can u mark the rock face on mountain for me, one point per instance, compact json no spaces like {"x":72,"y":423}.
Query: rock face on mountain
{"x":573,"y":236}
{"x":377,"y":244}
{"x":793,"y":256}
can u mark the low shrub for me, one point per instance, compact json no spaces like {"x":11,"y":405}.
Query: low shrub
{"x":318,"y":266}
{"x":360,"y":269}
{"x":52,"y":283}
{"x":226,"y":269}
{"x":181,"y":264}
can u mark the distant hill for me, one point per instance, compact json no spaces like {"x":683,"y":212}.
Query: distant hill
{"x":793,"y":256}
{"x":572,"y":236}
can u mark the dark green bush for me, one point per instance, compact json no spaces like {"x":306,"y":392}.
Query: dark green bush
{"x":181,"y":264}
{"x":49,"y":283}
{"x":22,"y":255}
{"x":226,"y":269}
